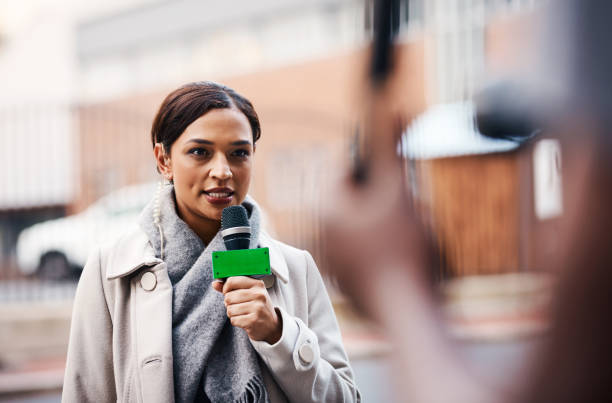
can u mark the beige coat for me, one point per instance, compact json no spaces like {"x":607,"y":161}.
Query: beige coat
{"x":121,"y":336}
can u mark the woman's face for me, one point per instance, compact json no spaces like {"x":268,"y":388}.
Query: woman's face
{"x":211,"y":164}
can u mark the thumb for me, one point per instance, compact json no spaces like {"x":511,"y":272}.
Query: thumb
{"x":218,"y":285}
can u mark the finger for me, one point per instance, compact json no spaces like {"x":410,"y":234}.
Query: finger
{"x":243,"y":321}
{"x":243,"y":308}
{"x":244,"y":295}
{"x":239,"y":282}
{"x":217,"y":285}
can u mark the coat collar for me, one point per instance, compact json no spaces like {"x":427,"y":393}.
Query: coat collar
{"x":129,"y":254}
{"x":133,"y":251}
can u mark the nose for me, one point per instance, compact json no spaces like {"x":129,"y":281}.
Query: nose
{"x":220,"y":168}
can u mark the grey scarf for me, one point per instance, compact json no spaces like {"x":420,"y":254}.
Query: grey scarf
{"x":213,"y":360}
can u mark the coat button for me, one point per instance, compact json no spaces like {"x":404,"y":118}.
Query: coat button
{"x":306,"y":353}
{"x":148,"y":281}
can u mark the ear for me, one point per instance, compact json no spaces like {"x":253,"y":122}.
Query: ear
{"x":164,"y":164}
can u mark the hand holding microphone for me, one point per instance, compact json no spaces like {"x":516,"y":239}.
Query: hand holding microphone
{"x":249,"y":307}
{"x":246,"y":299}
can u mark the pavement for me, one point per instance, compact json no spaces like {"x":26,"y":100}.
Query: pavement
{"x":496,"y":321}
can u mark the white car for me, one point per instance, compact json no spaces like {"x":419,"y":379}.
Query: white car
{"x":59,"y":248}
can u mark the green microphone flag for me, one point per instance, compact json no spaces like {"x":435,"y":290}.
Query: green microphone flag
{"x":241,"y":262}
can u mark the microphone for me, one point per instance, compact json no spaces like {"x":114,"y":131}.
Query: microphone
{"x":238,"y":259}
{"x":235,"y":228}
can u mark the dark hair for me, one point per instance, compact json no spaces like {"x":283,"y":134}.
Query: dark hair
{"x":189,"y":102}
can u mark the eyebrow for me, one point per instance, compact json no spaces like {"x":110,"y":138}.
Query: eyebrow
{"x":208,"y":142}
{"x":200,"y":141}
{"x":241,"y":143}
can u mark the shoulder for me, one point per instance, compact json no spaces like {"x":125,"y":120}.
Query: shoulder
{"x":290,"y":262}
{"x":291,"y":253}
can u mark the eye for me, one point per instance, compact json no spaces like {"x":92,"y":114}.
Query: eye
{"x":199,"y":152}
{"x":241,"y":153}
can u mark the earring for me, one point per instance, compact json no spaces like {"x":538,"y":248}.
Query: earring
{"x":157,"y":218}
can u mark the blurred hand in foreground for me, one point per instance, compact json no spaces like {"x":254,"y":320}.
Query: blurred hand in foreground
{"x":379,"y":251}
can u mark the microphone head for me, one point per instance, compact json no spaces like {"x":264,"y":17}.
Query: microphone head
{"x":234,"y":216}
{"x":235,"y":228}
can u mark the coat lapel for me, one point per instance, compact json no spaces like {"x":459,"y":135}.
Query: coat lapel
{"x":278,"y":265}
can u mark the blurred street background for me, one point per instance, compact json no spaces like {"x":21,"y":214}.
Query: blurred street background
{"x":79,"y":86}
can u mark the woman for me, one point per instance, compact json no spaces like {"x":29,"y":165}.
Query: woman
{"x":149,"y":325}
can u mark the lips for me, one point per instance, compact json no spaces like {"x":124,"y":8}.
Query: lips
{"x":219,"y":195}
